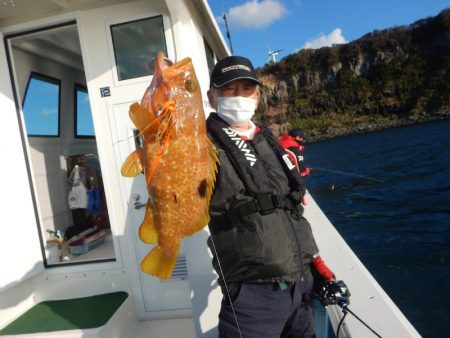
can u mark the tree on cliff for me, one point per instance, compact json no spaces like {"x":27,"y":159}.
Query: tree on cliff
{"x":397,"y":74}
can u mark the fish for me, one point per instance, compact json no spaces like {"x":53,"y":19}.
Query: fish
{"x":177,"y":158}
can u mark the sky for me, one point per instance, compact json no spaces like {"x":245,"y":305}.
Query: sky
{"x":41,"y":109}
{"x":257,"y":26}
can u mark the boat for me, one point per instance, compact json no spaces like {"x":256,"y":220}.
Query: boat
{"x":70,"y":70}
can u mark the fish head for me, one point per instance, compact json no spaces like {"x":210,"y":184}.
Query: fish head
{"x":184,"y":94}
{"x":173,"y":102}
{"x":156,"y":94}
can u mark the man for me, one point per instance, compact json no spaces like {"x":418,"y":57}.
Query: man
{"x":262,"y":246}
{"x":293,"y":145}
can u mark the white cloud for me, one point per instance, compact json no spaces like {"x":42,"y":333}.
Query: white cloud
{"x":255,"y":14}
{"x":48,"y":111}
{"x":335,"y":37}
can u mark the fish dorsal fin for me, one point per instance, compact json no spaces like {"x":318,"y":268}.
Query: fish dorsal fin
{"x":132,"y":166}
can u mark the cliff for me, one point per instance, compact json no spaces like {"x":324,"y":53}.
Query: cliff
{"x":385,"y":78}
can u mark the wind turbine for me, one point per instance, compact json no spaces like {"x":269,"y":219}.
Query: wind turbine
{"x":272,"y":54}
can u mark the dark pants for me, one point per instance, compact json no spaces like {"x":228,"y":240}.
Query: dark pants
{"x":268,"y":311}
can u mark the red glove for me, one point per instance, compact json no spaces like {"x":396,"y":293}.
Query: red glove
{"x":301,"y":148}
{"x":305,"y":172}
{"x":304,"y":200}
{"x":322,"y":269}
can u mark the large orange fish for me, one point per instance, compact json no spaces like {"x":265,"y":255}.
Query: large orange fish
{"x":177,"y":158}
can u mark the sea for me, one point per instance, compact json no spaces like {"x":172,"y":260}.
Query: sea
{"x":388,"y":194}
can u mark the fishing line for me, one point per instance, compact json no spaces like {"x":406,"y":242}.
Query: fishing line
{"x":352,"y":174}
{"x":346,"y":310}
{"x":125,"y":139}
{"x":226,"y":287}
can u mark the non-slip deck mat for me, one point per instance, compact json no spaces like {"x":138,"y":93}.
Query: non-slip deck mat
{"x":67,"y":314}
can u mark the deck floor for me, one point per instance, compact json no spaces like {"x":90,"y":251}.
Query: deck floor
{"x":181,"y":327}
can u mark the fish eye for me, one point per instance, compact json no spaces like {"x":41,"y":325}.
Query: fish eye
{"x":190,"y":85}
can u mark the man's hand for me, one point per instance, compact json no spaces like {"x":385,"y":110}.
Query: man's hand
{"x":305,"y":172}
{"x":322,"y":269}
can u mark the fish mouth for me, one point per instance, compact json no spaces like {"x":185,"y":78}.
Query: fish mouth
{"x":151,"y":65}
{"x":177,"y":68}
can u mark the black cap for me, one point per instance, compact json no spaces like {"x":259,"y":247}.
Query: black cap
{"x":232,"y":68}
{"x":296,"y":132}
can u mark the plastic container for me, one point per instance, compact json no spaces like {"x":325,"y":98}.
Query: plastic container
{"x":86,"y":244}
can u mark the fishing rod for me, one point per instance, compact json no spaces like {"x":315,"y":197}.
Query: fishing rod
{"x":337,"y":293}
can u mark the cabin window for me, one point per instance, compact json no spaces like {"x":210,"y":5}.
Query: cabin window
{"x":209,"y":56}
{"x":135,"y":43}
{"x":84,"y":127}
{"x":41,"y":106}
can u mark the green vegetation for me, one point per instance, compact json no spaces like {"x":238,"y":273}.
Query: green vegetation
{"x":384,"y":77}
{"x":326,"y":122}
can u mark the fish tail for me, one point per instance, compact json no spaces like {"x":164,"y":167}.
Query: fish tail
{"x":159,"y":262}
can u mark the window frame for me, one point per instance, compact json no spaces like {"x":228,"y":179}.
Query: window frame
{"x":78,"y":86}
{"x":113,"y":49}
{"x":209,"y":49}
{"x":49,"y":79}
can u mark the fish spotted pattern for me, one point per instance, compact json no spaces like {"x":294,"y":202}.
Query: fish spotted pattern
{"x":178,"y":160}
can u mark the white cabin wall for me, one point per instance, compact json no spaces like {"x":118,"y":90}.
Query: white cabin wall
{"x":188,"y":39}
{"x":47,"y":153}
{"x":20,"y":250}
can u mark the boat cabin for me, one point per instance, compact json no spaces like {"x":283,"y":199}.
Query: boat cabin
{"x":70,"y":70}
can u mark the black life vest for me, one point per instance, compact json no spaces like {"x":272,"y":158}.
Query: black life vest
{"x":252,"y":171}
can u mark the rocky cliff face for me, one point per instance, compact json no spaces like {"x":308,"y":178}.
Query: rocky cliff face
{"x":396,"y":74}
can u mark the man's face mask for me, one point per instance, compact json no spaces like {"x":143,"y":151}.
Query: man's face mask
{"x":236,"y":110}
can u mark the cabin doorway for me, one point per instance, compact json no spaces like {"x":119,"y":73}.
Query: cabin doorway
{"x":61,"y":147}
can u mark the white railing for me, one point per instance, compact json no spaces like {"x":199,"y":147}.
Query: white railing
{"x":368,"y":300}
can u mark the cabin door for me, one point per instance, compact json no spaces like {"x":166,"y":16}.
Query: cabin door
{"x":157,"y":294}
{"x":118,"y":52}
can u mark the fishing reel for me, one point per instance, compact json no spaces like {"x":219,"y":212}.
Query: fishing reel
{"x":333,"y":293}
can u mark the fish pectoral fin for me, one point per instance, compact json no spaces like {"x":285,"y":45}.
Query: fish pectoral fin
{"x":132,"y":166}
{"x":144,"y":120}
{"x":149,"y":231}
{"x":159,"y":263}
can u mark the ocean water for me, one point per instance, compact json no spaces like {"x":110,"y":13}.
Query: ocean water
{"x":388,"y":194}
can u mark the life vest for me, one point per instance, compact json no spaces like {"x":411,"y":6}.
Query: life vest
{"x":256,"y":223}
{"x":252,"y":171}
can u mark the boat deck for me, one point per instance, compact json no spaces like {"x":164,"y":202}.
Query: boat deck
{"x":180,"y":327}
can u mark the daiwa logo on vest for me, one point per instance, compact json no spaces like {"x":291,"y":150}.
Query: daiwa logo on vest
{"x":241,"y":144}
{"x":288,"y":162}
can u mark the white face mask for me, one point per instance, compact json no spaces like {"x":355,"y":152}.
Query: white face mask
{"x":236,"y":110}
